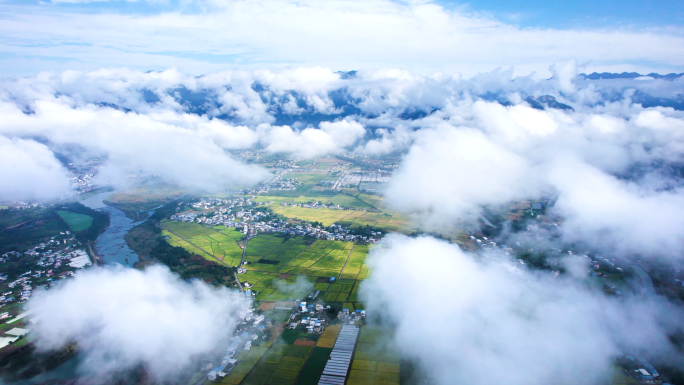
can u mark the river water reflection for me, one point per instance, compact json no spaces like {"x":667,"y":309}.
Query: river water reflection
{"x":111,"y":244}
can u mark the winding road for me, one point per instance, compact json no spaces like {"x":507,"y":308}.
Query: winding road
{"x":646,"y":282}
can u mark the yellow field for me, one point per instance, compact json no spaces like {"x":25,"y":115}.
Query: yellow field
{"x":352,"y":218}
{"x":375,"y":362}
{"x":329,"y":336}
{"x":144,"y":198}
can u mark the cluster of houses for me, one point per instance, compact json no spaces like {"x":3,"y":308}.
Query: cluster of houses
{"x":221,"y":217}
{"x":352,"y":318}
{"x":19,"y":205}
{"x":331,"y":233}
{"x":276,"y":184}
{"x":207,"y":203}
{"x":319,"y":205}
{"x":46,"y":262}
{"x":311,"y":316}
{"x":247,"y":331}
{"x":82,"y":183}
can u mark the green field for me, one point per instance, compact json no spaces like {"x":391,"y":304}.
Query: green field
{"x":282,"y":362}
{"x":375,"y":361}
{"x":77,"y":222}
{"x":296,"y":260}
{"x":247,"y":359}
{"x":221,"y":243}
{"x":314,"y":366}
{"x":279,"y":268}
{"x":356,"y":267}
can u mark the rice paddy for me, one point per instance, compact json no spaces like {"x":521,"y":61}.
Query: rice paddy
{"x":219,"y":243}
{"x":348,"y":218}
{"x":279,"y":268}
{"x":282,"y":362}
{"x":374,"y":361}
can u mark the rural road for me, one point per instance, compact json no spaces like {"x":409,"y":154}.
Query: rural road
{"x":347,"y":261}
{"x":244,"y":251}
{"x":645,"y":279}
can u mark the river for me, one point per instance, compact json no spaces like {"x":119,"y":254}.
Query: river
{"x":113,"y":248}
{"x":111,"y":244}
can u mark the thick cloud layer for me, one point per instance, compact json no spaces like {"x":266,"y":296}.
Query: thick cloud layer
{"x":122,"y":318}
{"x":612,"y":170}
{"x":490,"y":321}
{"x":469,"y":143}
{"x":29,"y":170}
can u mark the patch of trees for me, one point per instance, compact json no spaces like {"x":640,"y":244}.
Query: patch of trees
{"x":188,"y":265}
{"x":536,"y":260}
{"x":364,"y":231}
{"x":26,"y":228}
{"x":27,"y":361}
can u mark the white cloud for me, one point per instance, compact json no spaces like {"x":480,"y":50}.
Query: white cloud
{"x":312,"y":142}
{"x":452,"y":171}
{"x":121,"y":318}
{"x":492,"y":322}
{"x":418,"y":35}
{"x":29,"y":170}
{"x":185,"y":150}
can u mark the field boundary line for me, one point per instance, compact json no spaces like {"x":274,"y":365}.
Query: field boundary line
{"x":272,"y":250}
{"x":319,"y":259}
{"x":195,"y":246}
{"x":295,"y":257}
{"x":299,"y":373}
{"x":234,"y":240}
{"x":347,"y":261}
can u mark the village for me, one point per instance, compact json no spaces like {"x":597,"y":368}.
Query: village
{"x":38,"y":268}
{"x":234,"y":213}
{"x":310,"y":316}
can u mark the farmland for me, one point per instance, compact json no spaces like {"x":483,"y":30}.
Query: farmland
{"x":281,"y":363}
{"x":348,"y":218}
{"x":299,"y":358}
{"x":77,"y":222}
{"x":374,"y":360}
{"x":277,"y":266}
{"x":142,"y":198}
{"x":221,"y":243}
{"x":361,"y":201}
{"x":300,"y":256}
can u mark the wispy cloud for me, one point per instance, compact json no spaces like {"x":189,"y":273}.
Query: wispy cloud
{"x":205,"y":36}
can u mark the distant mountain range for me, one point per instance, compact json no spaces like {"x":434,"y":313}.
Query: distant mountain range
{"x":628,"y":75}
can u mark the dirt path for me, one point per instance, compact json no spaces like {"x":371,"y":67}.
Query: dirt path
{"x":347,"y":261}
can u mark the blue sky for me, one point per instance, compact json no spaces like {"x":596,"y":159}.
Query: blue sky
{"x":525,"y":13}
{"x":467,"y":38}
{"x":574,"y":14}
